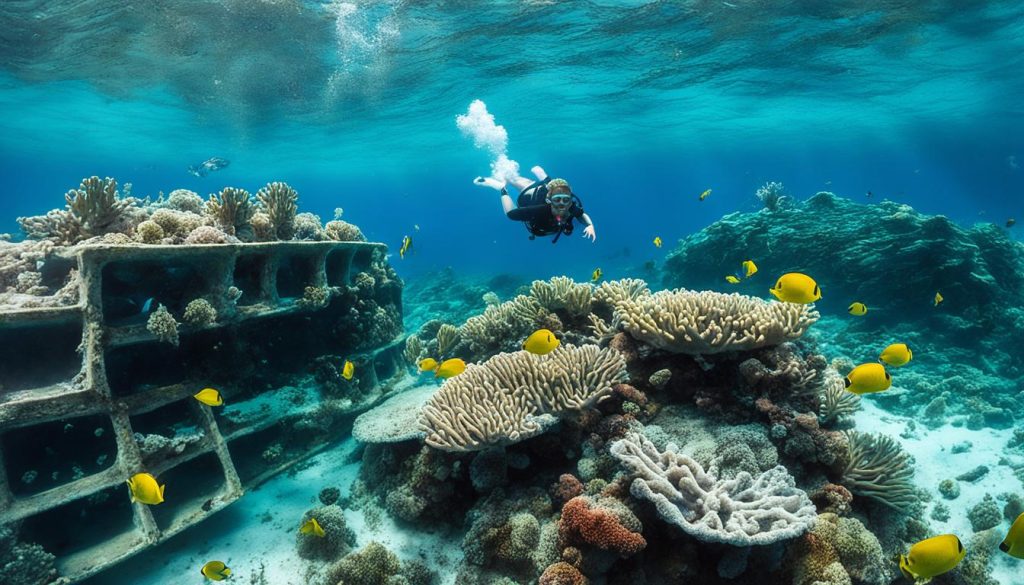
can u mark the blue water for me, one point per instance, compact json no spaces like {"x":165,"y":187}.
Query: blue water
{"x":641,"y":105}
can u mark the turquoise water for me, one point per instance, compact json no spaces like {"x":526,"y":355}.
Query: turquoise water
{"x":641,"y":106}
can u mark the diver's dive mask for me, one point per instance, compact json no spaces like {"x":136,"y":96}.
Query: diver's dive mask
{"x":561,"y":201}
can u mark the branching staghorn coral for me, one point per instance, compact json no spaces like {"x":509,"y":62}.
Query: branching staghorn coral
{"x":279,"y":201}
{"x":446,"y":336}
{"x":682,"y":321}
{"x":514,"y":396}
{"x":879,"y":469}
{"x":772,"y":195}
{"x":742,"y":511}
{"x":232,"y":209}
{"x":835,"y":401}
{"x":96,"y":205}
{"x":562,"y":293}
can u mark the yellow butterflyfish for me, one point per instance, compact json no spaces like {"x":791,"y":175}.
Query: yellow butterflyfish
{"x":732,"y":279}
{"x":406,"y":245}
{"x":596,"y":275}
{"x":348,"y":370}
{"x":657,"y":241}
{"x":938,"y":299}
{"x":868,"y":378}
{"x":215,"y":571}
{"x":705,"y":194}
{"x":449,"y":368}
{"x":541,"y":342}
{"x":311,"y":526}
{"x":1013,"y":544}
{"x":932,"y":557}
{"x":145,"y":490}
{"x":749,"y":268}
{"x":428,"y":365}
{"x":209,"y":397}
{"x":857,"y":308}
{"x":897,"y":354}
{"x":795,"y":287}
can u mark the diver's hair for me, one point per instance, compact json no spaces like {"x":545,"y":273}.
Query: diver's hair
{"x":558,"y":187}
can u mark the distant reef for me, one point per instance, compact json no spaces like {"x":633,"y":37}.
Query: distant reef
{"x":893,"y":259}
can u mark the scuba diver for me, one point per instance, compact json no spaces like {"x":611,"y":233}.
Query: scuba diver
{"x":547,"y":206}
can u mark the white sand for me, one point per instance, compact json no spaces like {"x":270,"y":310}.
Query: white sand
{"x":935,"y":462}
{"x":239,"y":536}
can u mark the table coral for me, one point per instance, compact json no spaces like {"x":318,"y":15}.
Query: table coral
{"x":742,"y":511}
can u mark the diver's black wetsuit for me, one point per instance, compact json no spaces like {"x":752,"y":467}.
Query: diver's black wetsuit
{"x":542,"y":222}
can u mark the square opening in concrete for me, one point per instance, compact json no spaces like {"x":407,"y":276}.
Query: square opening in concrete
{"x":49,"y":455}
{"x":87,"y":525}
{"x":203,"y":358}
{"x":37,"y":355}
{"x":132,"y":289}
{"x":361,"y":262}
{"x":248,"y":278}
{"x":173,"y":430}
{"x":256,"y":454}
{"x":190,"y":490}
{"x":338,"y":263}
{"x":294,"y":274}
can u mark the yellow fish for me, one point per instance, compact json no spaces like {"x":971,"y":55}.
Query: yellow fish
{"x":932,"y":557}
{"x":348,"y":370}
{"x":897,"y":354}
{"x":209,"y":397}
{"x":705,"y":194}
{"x":749,"y":268}
{"x":657,"y":241}
{"x":868,"y":378}
{"x":406,"y":245}
{"x":144,"y":489}
{"x":795,"y":287}
{"x":311,"y":526}
{"x":859,"y":309}
{"x":938,"y":299}
{"x":449,"y":368}
{"x":732,"y":279}
{"x":215,"y":571}
{"x":596,"y":275}
{"x":541,"y":342}
{"x":428,"y":365}
{"x":1013,"y":544}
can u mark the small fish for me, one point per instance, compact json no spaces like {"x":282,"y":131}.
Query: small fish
{"x":145,"y":490}
{"x":868,"y":379}
{"x":406,"y":246}
{"x":795,"y":287}
{"x":215,"y":571}
{"x":896,"y":355}
{"x":596,"y":275}
{"x":311,"y":526}
{"x":541,"y":342}
{"x":209,"y":397}
{"x":1013,"y":544}
{"x":657,"y":242}
{"x":932,"y":557}
{"x":450,"y":368}
{"x":705,"y":194}
{"x":732,"y":279}
{"x":857,"y":308}
{"x":428,"y":365}
{"x":147,"y":306}
{"x":869,"y":194}
{"x":208,"y":166}
{"x":749,"y":268}
{"x":1011,"y":222}
{"x":938,"y":299}
{"x":348,"y":370}
{"x":416,"y":226}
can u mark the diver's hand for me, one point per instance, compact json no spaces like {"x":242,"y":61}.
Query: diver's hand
{"x":490,"y":182}
{"x":588,"y":232}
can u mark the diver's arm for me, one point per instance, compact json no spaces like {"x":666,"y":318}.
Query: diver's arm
{"x":506,"y":201}
{"x":588,"y":232}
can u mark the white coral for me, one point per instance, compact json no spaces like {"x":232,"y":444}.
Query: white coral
{"x":682,"y":321}
{"x":742,"y":511}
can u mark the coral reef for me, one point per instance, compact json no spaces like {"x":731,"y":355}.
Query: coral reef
{"x":232,"y":209}
{"x":24,"y":563}
{"x":338,"y":538}
{"x":601,"y":522}
{"x":163,"y":325}
{"x":743,"y":511}
{"x":199,"y":313}
{"x":880,"y":470}
{"x":512,"y":397}
{"x":279,"y":202}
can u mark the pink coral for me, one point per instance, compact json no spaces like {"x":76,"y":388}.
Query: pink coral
{"x":598,"y":527}
{"x":567,"y":488}
{"x":562,"y":573}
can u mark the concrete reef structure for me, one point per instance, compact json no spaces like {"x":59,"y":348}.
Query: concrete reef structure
{"x":93,"y":391}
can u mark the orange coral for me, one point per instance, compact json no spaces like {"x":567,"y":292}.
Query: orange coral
{"x":597,"y":527}
{"x":562,"y":573}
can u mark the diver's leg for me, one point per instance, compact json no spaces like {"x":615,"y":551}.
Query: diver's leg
{"x":539,"y":172}
{"x":520,"y":182}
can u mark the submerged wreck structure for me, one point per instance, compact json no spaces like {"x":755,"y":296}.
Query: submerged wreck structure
{"x":105,"y":341}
